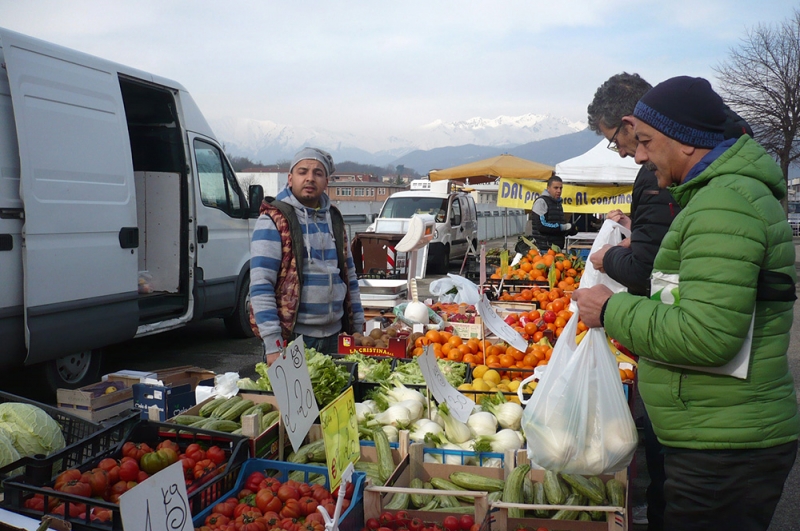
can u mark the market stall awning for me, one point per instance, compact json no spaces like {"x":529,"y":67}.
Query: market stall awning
{"x":489,"y":170}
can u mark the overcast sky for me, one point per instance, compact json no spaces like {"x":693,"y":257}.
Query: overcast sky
{"x":381,"y":66}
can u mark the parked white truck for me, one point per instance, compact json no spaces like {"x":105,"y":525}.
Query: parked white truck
{"x":120,"y":215}
{"x":454,"y":212}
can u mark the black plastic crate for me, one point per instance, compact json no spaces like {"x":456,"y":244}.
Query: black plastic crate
{"x":76,"y":431}
{"x":21,"y":488}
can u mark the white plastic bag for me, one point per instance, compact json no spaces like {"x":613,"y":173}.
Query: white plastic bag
{"x":578,"y":420}
{"x":467,"y":291}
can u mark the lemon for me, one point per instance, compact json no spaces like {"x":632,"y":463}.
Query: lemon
{"x":492,"y":376}
{"x":513,"y":386}
{"x":513,"y":398}
{"x":479,"y":371}
{"x":110,"y":389}
{"x":503,"y":387}
{"x":505,"y":381}
{"x":479,"y":385}
{"x":532,"y":386}
{"x":465,"y":387}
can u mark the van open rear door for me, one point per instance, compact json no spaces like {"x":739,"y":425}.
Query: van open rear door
{"x":77,"y":188}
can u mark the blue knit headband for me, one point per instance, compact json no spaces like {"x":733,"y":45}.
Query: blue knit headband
{"x":677,"y":131}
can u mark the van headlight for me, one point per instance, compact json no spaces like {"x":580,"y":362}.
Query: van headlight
{"x":435,"y":234}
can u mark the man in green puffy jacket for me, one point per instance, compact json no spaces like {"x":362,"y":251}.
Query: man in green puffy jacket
{"x":713,"y":336}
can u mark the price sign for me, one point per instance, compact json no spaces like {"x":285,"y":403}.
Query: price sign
{"x":340,"y":431}
{"x":460,"y":406}
{"x":159,"y":503}
{"x":500,"y":328}
{"x":292,"y":387}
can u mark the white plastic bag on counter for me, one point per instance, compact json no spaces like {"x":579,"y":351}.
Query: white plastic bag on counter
{"x":467,"y":291}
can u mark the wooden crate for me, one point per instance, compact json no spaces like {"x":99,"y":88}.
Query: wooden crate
{"x":616,"y":517}
{"x":376,"y":497}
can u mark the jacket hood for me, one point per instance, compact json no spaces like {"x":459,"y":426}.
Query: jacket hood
{"x":287,"y":196}
{"x":746,"y":159}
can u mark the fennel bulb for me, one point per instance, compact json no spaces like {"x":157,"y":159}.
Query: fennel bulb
{"x":482,"y":423}
{"x":456,"y":431}
{"x":505,"y":439}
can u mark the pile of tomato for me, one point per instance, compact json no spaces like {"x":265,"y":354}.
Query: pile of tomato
{"x":267,"y":504}
{"x":402,"y":521}
{"x":113,"y":477}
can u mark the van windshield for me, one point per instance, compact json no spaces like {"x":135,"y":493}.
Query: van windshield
{"x":405,"y":207}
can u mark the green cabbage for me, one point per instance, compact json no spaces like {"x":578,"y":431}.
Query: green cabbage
{"x":30,"y":429}
{"x":8,"y":454}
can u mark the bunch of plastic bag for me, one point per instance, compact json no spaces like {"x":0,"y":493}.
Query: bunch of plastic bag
{"x":578,"y":420}
{"x":465,"y":290}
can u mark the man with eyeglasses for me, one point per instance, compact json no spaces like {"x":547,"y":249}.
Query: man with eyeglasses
{"x":630,"y":263}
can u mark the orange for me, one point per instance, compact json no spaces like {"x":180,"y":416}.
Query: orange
{"x":533,"y":315}
{"x":463,"y":349}
{"x":526,"y":266}
{"x":455,"y":355}
{"x":422,"y":341}
{"x":530,"y":328}
{"x":507,"y":360}
{"x":526,"y":294}
{"x":530,"y":360}
{"x":471,"y":359}
{"x":622,"y":374}
{"x":454,"y":341}
{"x":541,"y":362}
{"x":445,"y":336}
{"x":434,"y":336}
{"x":560,"y":322}
{"x":474,"y":345}
{"x":417,"y":351}
{"x":558,"y":332}
{"x":537,"y":336}
{"x":446,"y":349}
{"x":492,"y":361}
{"x":558,"y":305}
{"x":629,"y":374}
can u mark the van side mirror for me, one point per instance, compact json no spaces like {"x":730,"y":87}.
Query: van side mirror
{"x":255,"y":195}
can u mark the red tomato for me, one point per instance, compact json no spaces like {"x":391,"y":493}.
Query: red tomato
{"x":214,"y":520}
{"x":98,"y":514}
{"x":76,"y":487}
{"x":373,"y":524}
{"x":135,"y":450}
{"x":254,"y":480}
{"x":416,"y":524}
{"x":129,"y":471}
{"x":348,"y":491}
{"x":216,"y":454}
{"x":272,"y":519}
{"x":75,"y":509}
{"x":319,"y":493}
{"x":97,"y":479}
{"x":450,"y":523}
{"x":35,"y":504}
{"x":111,"y":466}
{"x":226,"y":507}
{"x":66,"y":477}
{"x":465,"y":522}
{"x":195,"y":451}
{"x":169,"y":443}
{"x":142,"y":476}
{"x":402,"y":518}
{"x":549,"y":316}
{"x":267,"y":501}
{"x":308,"y":505}
{"x":291,"y":509}
{"x":250,"y":521}
{"x":203,"y":467}
{"x":386,"y":518}
{"x":287,"y":492}
{"x":188,"y":466}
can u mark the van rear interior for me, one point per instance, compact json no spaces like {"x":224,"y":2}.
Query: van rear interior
{"x":161,"y":183}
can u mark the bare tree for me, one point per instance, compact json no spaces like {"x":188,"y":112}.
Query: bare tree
{"x":761,"y":81}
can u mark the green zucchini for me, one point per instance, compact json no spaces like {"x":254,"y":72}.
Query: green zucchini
{"x":568,"y":514}
{"x":615,"y":491}
{"x":384,"y":452}
{"x":209,"y":407}
{"x":540,"y":499}
{"x":552,"y":488}
{"x":443,"y":484}
{"x":513,"y":490}
{"x":399,"y":502}
{"x":419,"y":500}
{"x":186,"y":420}
{"x":477,"y":482}
{"x":225,"y":406}
{"x":584,"y":487}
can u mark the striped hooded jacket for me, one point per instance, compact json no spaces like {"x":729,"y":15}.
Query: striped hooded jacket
{"x":317,"y":301}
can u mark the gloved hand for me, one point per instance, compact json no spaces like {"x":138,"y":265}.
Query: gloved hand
{"x":566,"y":226}
{"x":521,"y":247}
{"x":572,"y":231}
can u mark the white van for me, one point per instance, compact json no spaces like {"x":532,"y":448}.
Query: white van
{"x":454,"y":211}
{"x":120,"y":215}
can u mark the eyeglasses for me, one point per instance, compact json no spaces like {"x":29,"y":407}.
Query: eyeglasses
{"x":612,"y":144}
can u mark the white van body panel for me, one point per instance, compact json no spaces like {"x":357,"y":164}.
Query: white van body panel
{"x":99,"y":182}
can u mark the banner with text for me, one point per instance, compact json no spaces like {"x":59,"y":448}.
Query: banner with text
{"x":581,"y":199}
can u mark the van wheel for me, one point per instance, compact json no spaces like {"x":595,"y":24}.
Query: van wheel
{"x":77,"y":370}
{"x":238,"y":323}
{"x":439,"y":262}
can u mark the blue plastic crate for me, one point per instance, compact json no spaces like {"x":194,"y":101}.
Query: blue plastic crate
{"x":352,"y":518}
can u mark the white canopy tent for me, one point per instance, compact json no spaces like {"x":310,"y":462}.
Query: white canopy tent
{"x":599,"y":165}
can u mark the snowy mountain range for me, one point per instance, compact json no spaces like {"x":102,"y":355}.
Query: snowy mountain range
{"x":268,"y":142}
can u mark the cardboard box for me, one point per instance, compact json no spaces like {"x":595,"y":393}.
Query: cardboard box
{"x":94,"y":403}
{"x":170,"y":400}
{"x":172,"y":376}
{"x":266,"y":445}
{"x":396,"y":348}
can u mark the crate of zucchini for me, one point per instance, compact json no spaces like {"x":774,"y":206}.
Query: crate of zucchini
{"x":433,"y":491}
{"x":539,"y":498}
{"x":228,"y":415}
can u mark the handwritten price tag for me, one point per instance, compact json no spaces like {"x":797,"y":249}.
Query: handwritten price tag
{"x":292,"y":387}
{"x":340,"y":431}
{"x":159,"y":503}
{"x":460,"y":406}
{"x":500,"y":328}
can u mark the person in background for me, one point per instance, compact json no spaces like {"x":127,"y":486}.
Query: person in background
{"x":630,"y":263}
{"x":549,"y":226}
{"x":302,"y":275}
{"x":712,"y":340}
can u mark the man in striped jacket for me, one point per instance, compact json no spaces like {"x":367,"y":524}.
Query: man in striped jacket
{"x":302,"y":276}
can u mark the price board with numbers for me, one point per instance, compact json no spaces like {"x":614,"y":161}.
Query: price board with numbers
{"x":340,"y":431}
{"x":293,"y":392}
